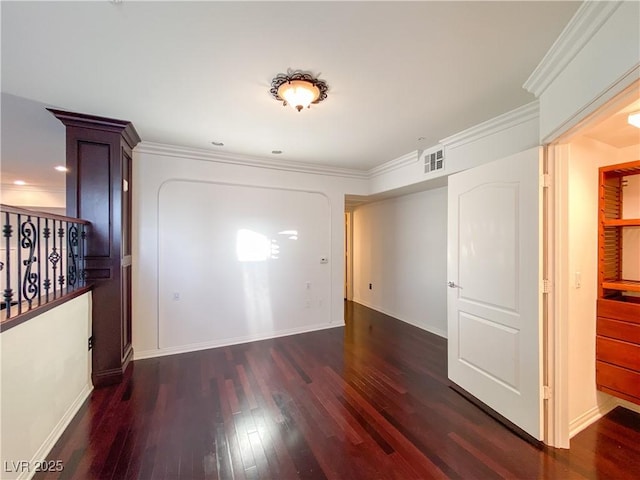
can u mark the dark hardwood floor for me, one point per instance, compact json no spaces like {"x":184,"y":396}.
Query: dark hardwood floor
{"x":368,"y":401}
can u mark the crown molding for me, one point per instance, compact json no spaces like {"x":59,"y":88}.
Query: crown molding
{"x":247,"y":161}
{"x":527,"y":112}
{"x":82,"y":120}
{"x":394,"y":164}
{"x":583,"y":25}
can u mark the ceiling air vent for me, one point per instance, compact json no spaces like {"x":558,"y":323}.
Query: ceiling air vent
{"x":433,"y":160}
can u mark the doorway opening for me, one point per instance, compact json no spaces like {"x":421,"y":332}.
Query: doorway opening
{"x":603,"y":138}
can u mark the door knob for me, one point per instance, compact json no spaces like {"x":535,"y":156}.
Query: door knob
{"x":453,"y":285}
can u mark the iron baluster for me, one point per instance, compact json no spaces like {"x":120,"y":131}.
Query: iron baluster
{"x":46,"y":234}
{"x":83,"y":237}
{"x":53,"y":258}
{"x":7,"y":231}
{"x":28,"y":242}
{"x":61,"y":275}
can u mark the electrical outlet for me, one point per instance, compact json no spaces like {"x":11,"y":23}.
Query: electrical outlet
{"x":370,"y":286}
{"x":176,"y":296}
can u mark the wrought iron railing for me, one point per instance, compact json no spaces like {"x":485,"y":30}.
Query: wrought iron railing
{"x":41,"y":258}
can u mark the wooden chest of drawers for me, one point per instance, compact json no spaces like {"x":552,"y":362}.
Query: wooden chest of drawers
{"x":618,"y":348}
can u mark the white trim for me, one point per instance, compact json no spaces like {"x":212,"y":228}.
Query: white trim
{"x":435,"y":331}
{"x":395,"y":164}
{"x":628,"y":405}
{"x":522,"y":114}
{"x":560,"y":294}
{"x":583,"y":25}
{"x":57,"y":431}
{"x":590,"y":416}
{"x":226,"y":342}
{"x":235,"y":159}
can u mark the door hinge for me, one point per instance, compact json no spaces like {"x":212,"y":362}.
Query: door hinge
{"x":546,"y":392}
{"x":546,"y":286}
{"x":545,"y":180}
{"x":90,"y":342}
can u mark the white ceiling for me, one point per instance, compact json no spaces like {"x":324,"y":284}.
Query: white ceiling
{"x":191,"y":73}
{"x":615,"y":129}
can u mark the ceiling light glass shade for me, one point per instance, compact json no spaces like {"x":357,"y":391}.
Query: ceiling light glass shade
{"x":299,"y":93}
{"x":298,"y":88}
{"x":634,"y":119}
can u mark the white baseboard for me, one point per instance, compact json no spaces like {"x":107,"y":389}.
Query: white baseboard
{"x":194,"y":347}
{"x":590,"y":416}
{"x":57,"y":431}
{"x":430,"y":329}
{"x":628,"y":405}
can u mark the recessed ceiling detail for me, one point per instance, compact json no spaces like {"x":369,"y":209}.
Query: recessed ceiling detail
{"x":298,"y":88}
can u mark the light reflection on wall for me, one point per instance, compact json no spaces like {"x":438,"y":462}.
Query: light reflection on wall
{"x":253,"y":249}
{"x":252,"y":246}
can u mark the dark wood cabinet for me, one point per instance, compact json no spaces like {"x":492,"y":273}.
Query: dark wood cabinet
{"x":618,"y":307}
{"x":99,"y":153}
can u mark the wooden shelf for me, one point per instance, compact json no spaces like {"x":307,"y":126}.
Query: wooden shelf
{"x":622,"y":285}
{"x":621,"y":222}
{"x":618,"y":314}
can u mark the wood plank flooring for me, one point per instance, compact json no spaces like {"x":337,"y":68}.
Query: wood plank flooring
{"x":367,"y":401}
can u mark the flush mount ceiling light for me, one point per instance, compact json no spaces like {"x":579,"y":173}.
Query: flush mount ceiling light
{"x":298,"y":89}
{"x":634,"y":119}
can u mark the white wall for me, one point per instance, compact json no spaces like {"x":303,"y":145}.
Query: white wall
{"x":43,"y":199}
{"x":155,"y":165}
{"x":46,"y":376}
{"x":581,"y":256}
{"x":247,"y":269}
{"x":400,"y":247}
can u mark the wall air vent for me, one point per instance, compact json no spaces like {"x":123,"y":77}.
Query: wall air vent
{"x":433,"y":160}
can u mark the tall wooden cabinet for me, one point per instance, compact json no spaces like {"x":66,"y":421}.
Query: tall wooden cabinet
{"x":99,"y":152}
{"x":618,"y":308}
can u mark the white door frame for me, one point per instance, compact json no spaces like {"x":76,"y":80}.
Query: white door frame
{"x":556,"y":345}
{"x":348,"y":253}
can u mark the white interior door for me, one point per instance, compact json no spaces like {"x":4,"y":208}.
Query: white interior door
{"x":494,"y":299}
